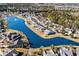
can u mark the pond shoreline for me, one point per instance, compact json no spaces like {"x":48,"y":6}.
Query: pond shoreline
{"x":35,"y":40}
{"x":48,"y":36}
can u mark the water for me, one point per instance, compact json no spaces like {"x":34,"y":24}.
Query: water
{"x":35,"y":40}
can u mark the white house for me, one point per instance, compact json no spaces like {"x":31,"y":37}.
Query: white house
{"x":49,"y":32}
{"x":76,"y":35}
{"x":8,"y":52}
{"x":68,"y":31}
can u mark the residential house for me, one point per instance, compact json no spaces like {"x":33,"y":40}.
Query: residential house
{"x":8,"y":52}
{"x":49,"y":32}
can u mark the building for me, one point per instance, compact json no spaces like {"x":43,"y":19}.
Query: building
{"x":10,"y":40}
{"x":49,"y":32}
{"x":65,"y":52}
{"x":1,"y":26}
{"x":76,"y":35}
{"x":68,"y":31}
{"x":8,"y":52}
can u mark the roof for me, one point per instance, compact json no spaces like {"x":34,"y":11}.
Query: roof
{"x":8,"y":52}
{"x":49,"y":32}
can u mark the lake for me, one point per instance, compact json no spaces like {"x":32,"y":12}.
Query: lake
{"x":36,"y":41}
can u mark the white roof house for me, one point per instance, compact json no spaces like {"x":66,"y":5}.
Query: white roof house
{"x":46,"y":31}
{"x":8,"y":52}
{"x":29,"y":17}
{"x":65,"y":52}
{"x":1,"y":29}
{"x":8,"y":39}
{"x":68,"y":31}
{"x":40,"y":27}
{"x":44,"y":54}
{"x":49,"y":32}
{"x":77,"y":51}
{"x":49,"y":53}
{"x":76,"y":35}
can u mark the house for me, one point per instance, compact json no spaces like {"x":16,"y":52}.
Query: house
{"x":59,"y":29}
{"x":49,"y":32}
{"x":29,"y":17}
{"x":40,"y":27}
{"x":65,"y":52}
{"x":1,"y":28}
{"x":68,"y":31}
{"x":8,"y":52}
{"x":76,"y":35}
{"x":53,"y":29}
{"x":8,"y":39}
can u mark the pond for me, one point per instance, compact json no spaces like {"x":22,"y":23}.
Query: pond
{"x":36,"y":41}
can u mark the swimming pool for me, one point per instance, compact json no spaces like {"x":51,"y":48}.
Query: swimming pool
{"x":35,"y":40}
